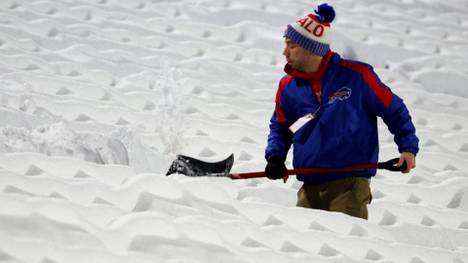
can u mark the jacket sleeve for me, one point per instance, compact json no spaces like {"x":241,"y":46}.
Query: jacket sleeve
{"x":384,"y":103}
{"x":279,"y":138}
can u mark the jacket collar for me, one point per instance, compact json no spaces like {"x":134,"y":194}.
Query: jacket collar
{"x":318,"y":75}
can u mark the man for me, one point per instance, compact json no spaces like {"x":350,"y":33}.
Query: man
{"x":327,"y":107}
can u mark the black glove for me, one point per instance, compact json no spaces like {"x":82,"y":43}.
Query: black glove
{"x":275,"y":168}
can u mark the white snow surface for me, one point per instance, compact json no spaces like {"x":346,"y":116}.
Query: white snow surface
{"x":98,"y":96}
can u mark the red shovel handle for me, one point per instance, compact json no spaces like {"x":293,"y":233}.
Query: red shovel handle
{"x":388,"y":165}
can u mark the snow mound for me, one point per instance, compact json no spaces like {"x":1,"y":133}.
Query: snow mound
{"x":60,"y":140}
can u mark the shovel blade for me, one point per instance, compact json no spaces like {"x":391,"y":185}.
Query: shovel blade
{"x":190,"y":166}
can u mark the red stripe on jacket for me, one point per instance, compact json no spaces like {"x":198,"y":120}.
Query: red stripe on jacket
{"x":382,"y":93}
{"x":279,"y":112}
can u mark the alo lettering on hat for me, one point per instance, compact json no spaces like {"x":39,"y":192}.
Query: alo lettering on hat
{"x":312,"y":31}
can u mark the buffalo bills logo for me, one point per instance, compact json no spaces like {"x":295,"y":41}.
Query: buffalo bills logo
{"x":342,"y":94}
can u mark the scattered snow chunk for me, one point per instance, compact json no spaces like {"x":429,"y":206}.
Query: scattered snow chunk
{"x":81,"y":174}
{"x":48,"y":260}
{"x":464,"y":148}
{"x":170,"y":29}
{"x":427,"y":221}
{"x":74,"y":73}
{"x":151,"y":244}
{"x":122,"y":121}
{"x":247,"y":140}
{"x":328,"y":251}
{"x":459,"y":200}
{"x":416,"y":260}
{"x":273,"y":61}
{"x":415,"y":179}
{"x":199,"y":53}
{"x":358,"y":231}
{"x":149,"y":106}
{"x":373,"y":255}
{"x":232,"y":117}
{"x":200,"y":233}
{"x":140,"y":5}
{"x":144,"y":202}
{"x":4,"y":257}
{"x":32,"y":67}
{"x":15,"y":190}
{"x":249,"y":242}
{"x":290,"y":247}
{"x":272,"y":221}
{"x":53,"y":32}
{"x":463,"y":225}
{"x":241,"y":38}
{"x":376,"y":194}
{"x":413,"y":199}
{"x":99,"y":200}
{"x":238,"y":57}
{"x":449,"y":167}
{"x":33,"y":170}
{"x":83,"y":117}
{"x":206,"y":34}
{"x":14,"y":5}
{"x":388,"y":219}
{"x":430,"y":143}
{"x":197,"y":90}
{"x":206,"y":152}
{"x":191,"y":110}
{"x":63,"y":91}
{"x":316,"y":226}
{"x":57,"y":195}
{"x":52,"y":11}
{"x":252,"y":183}
{"x":106,"y":97}
{"x":245,"y":156}
{"x":162,"y":193}
{"x":212,"y":195}
{"x":201,"y":133}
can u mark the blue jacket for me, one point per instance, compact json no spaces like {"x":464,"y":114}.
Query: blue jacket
{"x":346,"y":97}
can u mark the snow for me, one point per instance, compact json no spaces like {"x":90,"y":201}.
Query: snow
{"x":97,"y":97}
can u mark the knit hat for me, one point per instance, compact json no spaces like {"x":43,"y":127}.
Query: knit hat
{"x":311,"y":32}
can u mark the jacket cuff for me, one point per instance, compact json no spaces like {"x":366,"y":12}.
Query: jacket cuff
{"x":276,"y":159}
{"x":411,"y":150}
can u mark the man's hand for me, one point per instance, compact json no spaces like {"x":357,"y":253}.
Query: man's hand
{"x":276,"y":169}
{"x":409,"y":159}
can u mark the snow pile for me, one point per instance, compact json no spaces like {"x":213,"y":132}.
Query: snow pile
{"x":59,"y":140}
{"x":98,"y":96}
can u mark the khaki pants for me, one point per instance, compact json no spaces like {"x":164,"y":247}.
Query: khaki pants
{"x":350,"y":196}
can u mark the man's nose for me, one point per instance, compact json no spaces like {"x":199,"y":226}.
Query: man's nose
{"x":285,"y":51}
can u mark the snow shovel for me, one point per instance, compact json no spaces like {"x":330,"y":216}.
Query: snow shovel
{"x":193,"y":167}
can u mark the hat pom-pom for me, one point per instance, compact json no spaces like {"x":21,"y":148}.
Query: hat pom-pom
{"x":325,"y":13}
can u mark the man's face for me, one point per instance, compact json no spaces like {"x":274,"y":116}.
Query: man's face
{"x":295,"y":55}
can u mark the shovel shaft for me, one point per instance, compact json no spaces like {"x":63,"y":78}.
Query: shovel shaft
{"x":316,"y":170}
